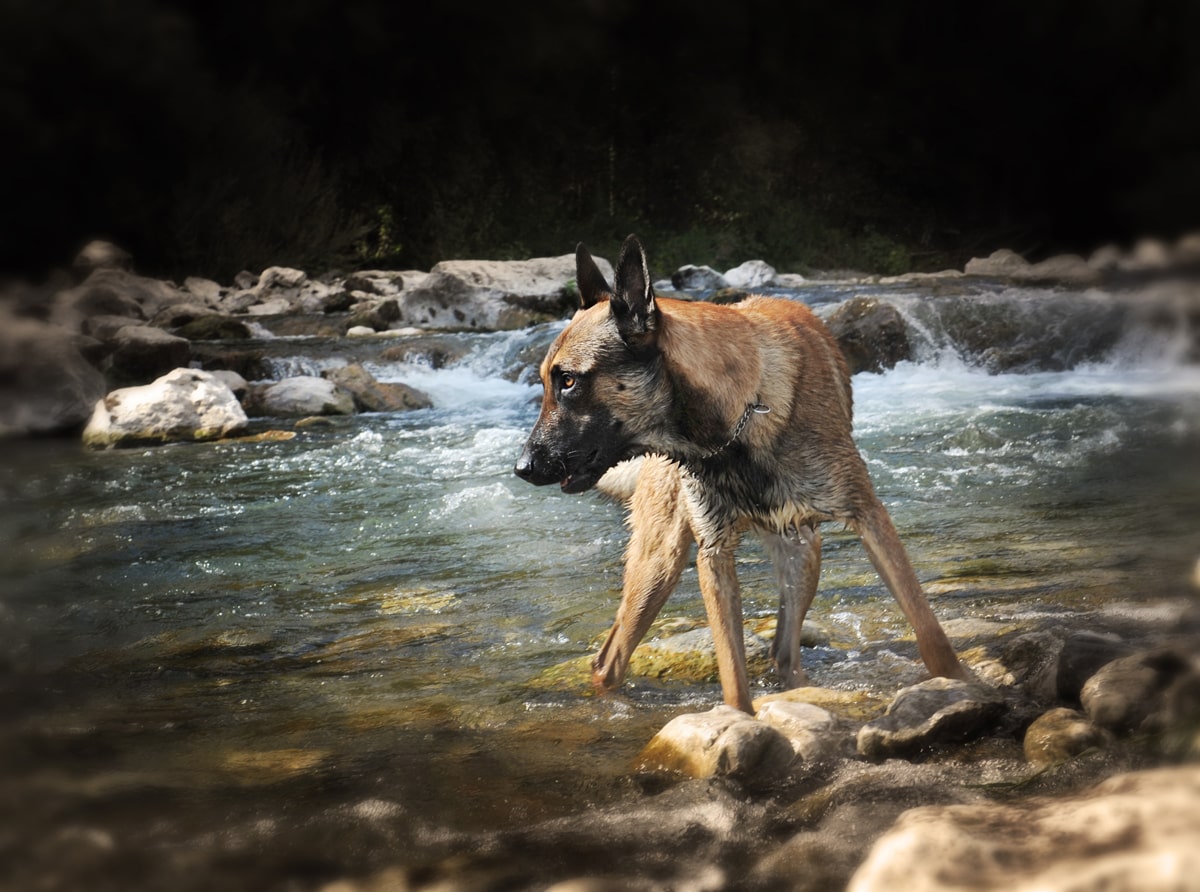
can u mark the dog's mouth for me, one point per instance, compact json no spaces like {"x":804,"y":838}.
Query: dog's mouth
{"x":585,"y":477}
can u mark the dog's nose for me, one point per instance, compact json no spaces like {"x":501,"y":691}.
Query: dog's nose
{"x":524,"y":465}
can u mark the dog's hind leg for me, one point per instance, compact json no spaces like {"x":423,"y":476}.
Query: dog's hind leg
{"x":891,"y":562}
{"x":723,"y":602}
{"x":659,"y":542}
{"x":796,"y":556}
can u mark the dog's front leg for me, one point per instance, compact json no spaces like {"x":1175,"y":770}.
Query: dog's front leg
{"x":723,"y":602}
{"x":659,"y":542}
{"x":796,"y":556}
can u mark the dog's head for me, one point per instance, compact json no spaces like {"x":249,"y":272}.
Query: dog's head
{"x":601,"y":378}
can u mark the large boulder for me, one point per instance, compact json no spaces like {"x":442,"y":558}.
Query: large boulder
{"x":692,"y":278}
{"x":1144,"y":692}
{"x":47,"y":385}
{"x":115,"y":292}
{"x":1135,"y":831}
{"x":183,"y":405}
{"x":872,"y":334}
{"x":494,"y":294}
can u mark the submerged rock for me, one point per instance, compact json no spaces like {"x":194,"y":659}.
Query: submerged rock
{"x":184,"y":405}
{"x":1135,"y":831}
{"x":937,"y":711}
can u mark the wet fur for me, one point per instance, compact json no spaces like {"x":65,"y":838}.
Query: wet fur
{"x":637,"y":375}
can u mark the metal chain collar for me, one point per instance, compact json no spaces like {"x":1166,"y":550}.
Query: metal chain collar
{"x":755,"y":408}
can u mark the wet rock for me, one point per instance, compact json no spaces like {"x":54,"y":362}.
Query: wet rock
{"x":697,"y":278}
{"x":277,"y":277}
{"x":375,"y":396}
{"x":750,"y":275}
{"x":872,"y":334}
{"x":232,"y":380}
{"x":359,"y":331}
{"x":115,"y":292}
{"x":379,"y":317}
{"x":304,"y":395}
{"x":723,"y":742}
{"x":1134,"y":831}
{"x":184,"y":405}
{"x":727,"y":296}
{"x":206,"y":291}
{"x":852,"y":705}
{"x":1027,"y":661}
{"x":937,"y":711}
{"x":1061,"y":734}
{"x":1082,"y":655}
{"x":141,"y":353}
{"x":692,"y":656}
{"x":492,"y":295}
{"x":175,"y":315}
{"x":1138,"y":693}
{"x":214,"y":327}
{"x":813,"y":732}
{"x":47,"y":385}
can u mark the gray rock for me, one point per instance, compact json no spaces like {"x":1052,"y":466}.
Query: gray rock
{"x":697,"y":278}
{"x":999,"y":264}
{"x":813,"y":732}
{"x":46,"y":383}
{"x":723,"y":742}
{"x":305,"y":395}
{"x":183,"y":405}
{"x":750,"y":275}
{"x":274,"y":277}
{"x":142,"y":353}
{"x":1061,"y":734}
{"x":376,"y":396}
{"x":1082,"y":656}
{"x":99,"y":254}
{"x":492,"y":295}
{"x":214,"y":327}
{"x":872,"y":334}
{"x":937,"y":711}
{"x":206,"y":291}
{"x":1134,"y":693}
{"x":115,"y":292}
{"x":1132,"y":832}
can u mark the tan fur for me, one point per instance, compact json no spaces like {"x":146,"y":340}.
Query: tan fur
{"x":675,"y":383}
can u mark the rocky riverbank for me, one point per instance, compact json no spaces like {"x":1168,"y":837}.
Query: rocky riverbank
{"x":72,"y":343}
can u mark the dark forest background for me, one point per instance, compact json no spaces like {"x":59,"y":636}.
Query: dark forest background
{"x":214,"y":136}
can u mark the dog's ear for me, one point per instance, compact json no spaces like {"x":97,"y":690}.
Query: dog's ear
{"x":592,"y":285}
{"x":633,"y":303}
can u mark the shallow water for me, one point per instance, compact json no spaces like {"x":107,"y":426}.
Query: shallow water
{"x":261,"y":665}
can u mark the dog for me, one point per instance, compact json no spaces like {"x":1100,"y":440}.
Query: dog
{"x":741,"y":416}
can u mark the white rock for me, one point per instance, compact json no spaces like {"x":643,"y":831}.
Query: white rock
{"x":280,"y":277}
{"x":1133,"y":832}
{"x":751,"y":274}
{"x":306,"y":395}
{"x":183,"y":405}
{"x":811,"y":730}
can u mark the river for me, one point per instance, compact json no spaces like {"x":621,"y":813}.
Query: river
{"x":263,"y":665}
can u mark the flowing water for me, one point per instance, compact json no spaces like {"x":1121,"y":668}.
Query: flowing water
{"x":261,"y":665}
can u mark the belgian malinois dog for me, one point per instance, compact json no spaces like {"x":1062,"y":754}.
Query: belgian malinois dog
{"x":744,"y":415}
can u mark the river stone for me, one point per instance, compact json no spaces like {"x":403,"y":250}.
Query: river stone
{"x":305,"y":395}
{"x":1000,"y":264}
{"x":142,"y":353}
{"x":872,"y":334}
{"x":1059,"y":735}
{"x":46,"y":383}
{"x":723,"y":742}
{"x":813,"y":732}
{"x":750,"y":275}
{"x":375,"y":396}
{"x":1083,"y":654}
{"x":692,"y":656}
{"x":214,"y":327}
{"x":493,"y":294}
{"x":1135,"y":831}
{"x":206,"y":290}
{"x":117,"y":292}
{"x":940,"y":710}
{"x":697,"y":278}
{"x":1136,"y":693}
{"x":99,"y":254}
{"x":183,"y":405}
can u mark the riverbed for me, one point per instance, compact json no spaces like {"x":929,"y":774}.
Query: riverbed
{"x":267,"y":664}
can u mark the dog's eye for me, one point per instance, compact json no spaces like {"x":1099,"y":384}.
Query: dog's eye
{"x":568,"y":382}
